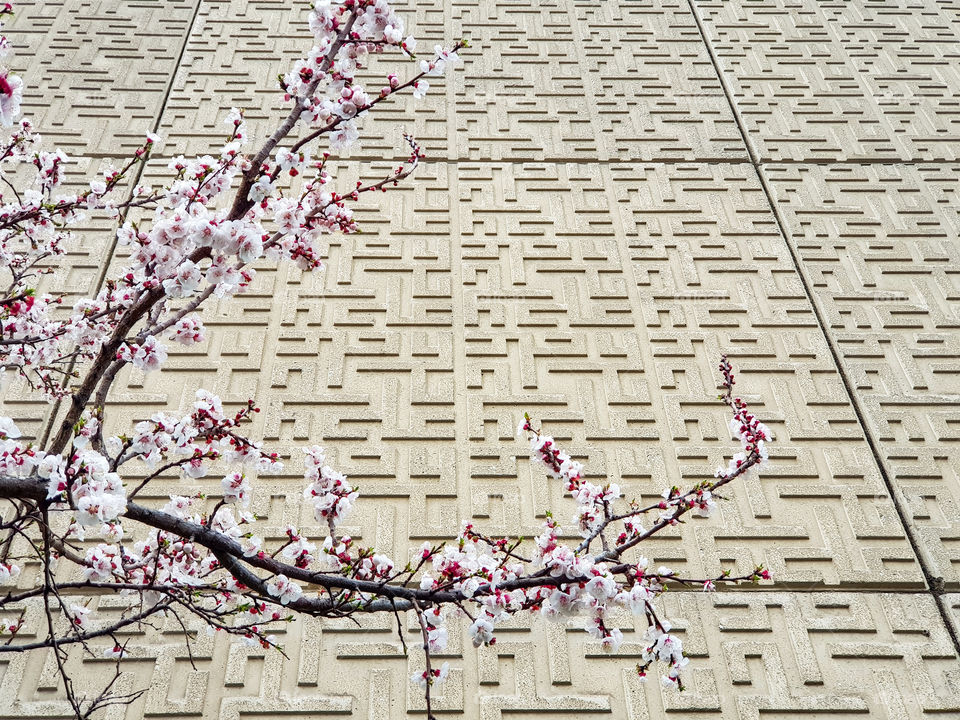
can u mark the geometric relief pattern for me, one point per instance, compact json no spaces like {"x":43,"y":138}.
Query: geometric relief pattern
{"x":652,"y":88}
{"x":777,"y":653}
{"x":842,"y":80}
{"x":821,"y":655}
{"x":98,"y":72}
{"x":96,"y":75}
{"x":577,"y":294}
{"x":592,"y":343}
{"x":879,"y":245}
{"x":586,"y":237}
{"x":521,"y":94}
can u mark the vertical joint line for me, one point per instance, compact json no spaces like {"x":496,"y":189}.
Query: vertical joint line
{"x":934,"y":583}
{"x":155,"y":128}
{"x":112,"y":247}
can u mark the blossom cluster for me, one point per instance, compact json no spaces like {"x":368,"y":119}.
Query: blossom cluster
{"x":593,"y":501}
{"x":744,"y":425}
{"x":189,"y":246}
{"x":325,"y":84}
{"x":196,"y":237}
{"x":329,"y":492}
{"x":490,"y":575}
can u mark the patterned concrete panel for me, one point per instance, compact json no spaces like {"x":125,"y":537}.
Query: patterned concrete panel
{"x":841,"y":80}
{"x":519,"y":95}
{"x":752,"y":655}
{"x":570,"y":327}
{"x":564,"y":252}
{"x":98,"y":72}
{"x":774,"y":654}
{"x":879,"y":246}
{"x":599,"y":300}
{"x":96,"y":77}
{"x":655,"y":94}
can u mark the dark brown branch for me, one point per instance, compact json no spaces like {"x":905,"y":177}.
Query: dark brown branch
{"x":92,"y":634}
{"x":241,"y":202}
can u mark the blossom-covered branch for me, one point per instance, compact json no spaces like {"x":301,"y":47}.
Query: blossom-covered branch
{"x":73,"y":524}
{"x":213,"y":565}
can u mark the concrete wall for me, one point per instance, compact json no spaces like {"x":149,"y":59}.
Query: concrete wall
{"x":616,"y":193}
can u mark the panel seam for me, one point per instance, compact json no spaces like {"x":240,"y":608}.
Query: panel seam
{"x":138,"y":175}
{"x":934,"y":584}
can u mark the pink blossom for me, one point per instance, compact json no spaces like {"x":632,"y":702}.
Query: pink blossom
{"x":436,"y":678}
{"x":236,"y":488}
{"x":78,"y":615}
{"x":184,"y":282}
{"x":8,"y":429}
{"x":100,"y":563}
{"x":11,"y":95}
{"x":150,"y":355}
{"x":188,"y":331}
{"x":261,"y":190}
{"x":284,"y":589}
{"x":481,"y":630}
{"x":9,"y":572}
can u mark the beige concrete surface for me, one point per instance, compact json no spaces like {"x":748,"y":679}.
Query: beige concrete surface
{"x":617,"y":192}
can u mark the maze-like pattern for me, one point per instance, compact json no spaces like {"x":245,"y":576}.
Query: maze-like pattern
{"x":586,"y":239}
{"x":842,"y":80}
{"x":96,"y":76}
{"x":621,"y":300}
{"x":752,"y":654}
{"x":598,"y":299}
{"x":98,"y":72}
{"x":651,"y":84}
{"x":879,"y":246}
{"x":549,"y":81}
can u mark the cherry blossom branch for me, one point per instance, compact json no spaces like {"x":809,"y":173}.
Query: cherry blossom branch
{"x":201,"y":556}
{"x":90,"y":634}
{"x":496,"y":587}
{"x":241,"y":202}
{"x":388,"y":91}
{"x":429,"y":675}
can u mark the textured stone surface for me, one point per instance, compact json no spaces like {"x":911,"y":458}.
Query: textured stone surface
{"x":879,"y":246}
{"x":842,"y":80}
{"x":99,"y":72}
{"x":588,"y":237}
{"x":97,"y":76}
{"x":595,"y":298}
{"x":952,"y":604}
{"x":753,"y":654}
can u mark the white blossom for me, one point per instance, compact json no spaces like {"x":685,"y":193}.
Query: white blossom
{"x":284,"y":589}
